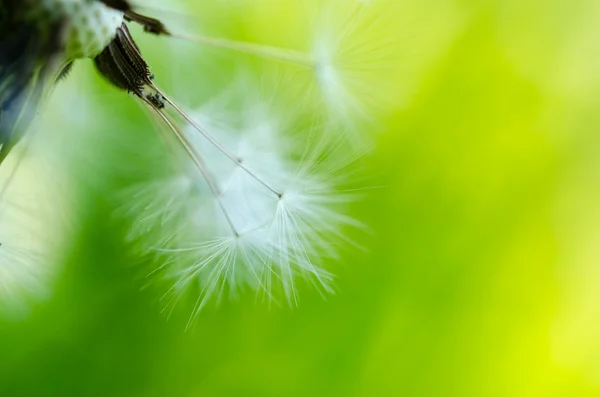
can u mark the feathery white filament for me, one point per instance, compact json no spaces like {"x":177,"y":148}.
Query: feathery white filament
{"x":347,"y":53}
{"x":265,"y":51}
{"x":26,"y":242}
{"x":256,"y":215}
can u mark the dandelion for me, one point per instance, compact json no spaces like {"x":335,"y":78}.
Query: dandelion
{"x":243,"y":206}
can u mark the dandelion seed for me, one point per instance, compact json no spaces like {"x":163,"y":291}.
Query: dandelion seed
{"x":264,"y":225}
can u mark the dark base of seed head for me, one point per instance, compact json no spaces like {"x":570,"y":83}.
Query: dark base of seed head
{"x":121,"y":62}
{"x":29,"y":50}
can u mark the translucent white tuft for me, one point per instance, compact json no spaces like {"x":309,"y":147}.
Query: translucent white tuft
{"x":29,"y":234}
{"x":23,"y":274}
{"x":339,"y":56}
{"x":354,"y":48}
{"x":264,"y":214}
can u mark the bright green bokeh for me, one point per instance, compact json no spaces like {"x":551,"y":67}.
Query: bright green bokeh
{"x":482,"y":271}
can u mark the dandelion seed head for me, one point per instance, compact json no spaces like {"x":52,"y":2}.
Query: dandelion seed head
{"x":89,"y":26}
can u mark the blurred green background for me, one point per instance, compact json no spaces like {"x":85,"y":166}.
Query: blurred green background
{"x":482,"y":277}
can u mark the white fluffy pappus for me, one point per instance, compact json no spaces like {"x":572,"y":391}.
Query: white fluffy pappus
{"x":30,"y":232}
{"x":355,"y":52}
{"x":337,"y":58}
{"x":261,"y":206}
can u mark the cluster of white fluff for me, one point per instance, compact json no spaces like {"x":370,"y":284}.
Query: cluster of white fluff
{"x":353,"y":52}
{"x":258,"y":197}
{"x":30,"y":230}
{"x":262,"y":214}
